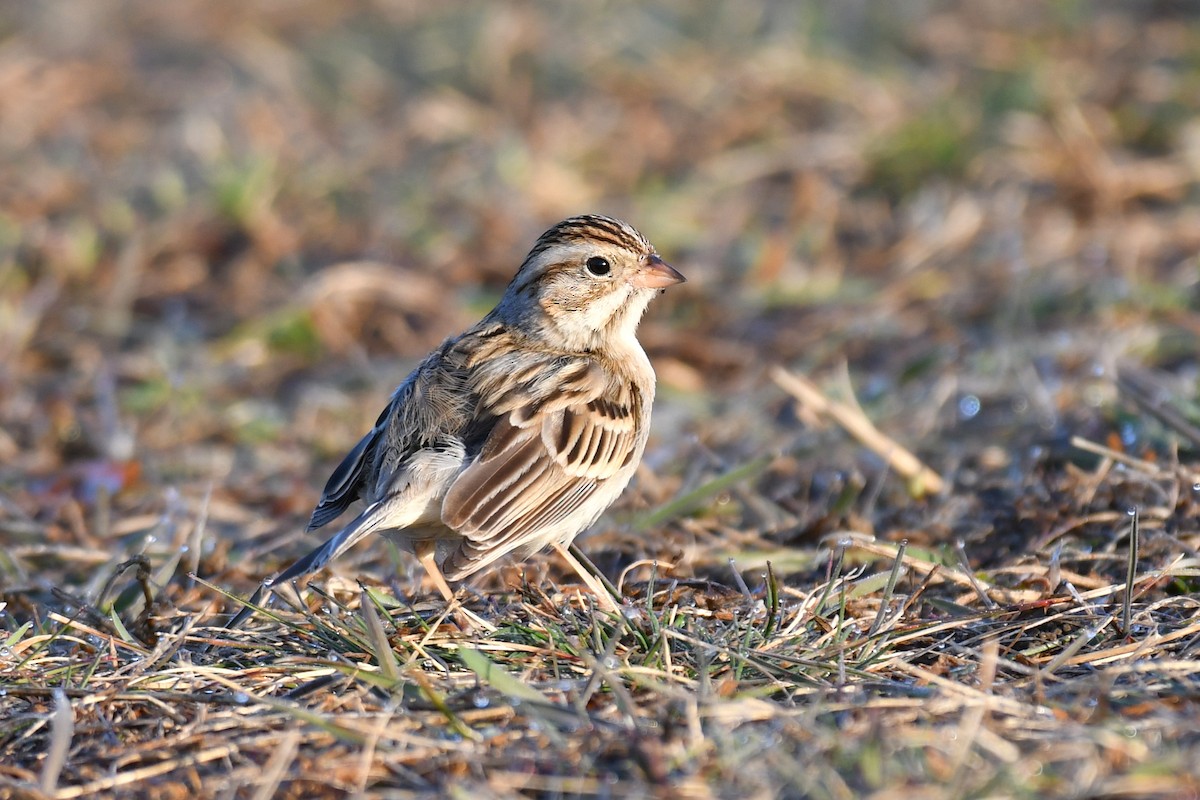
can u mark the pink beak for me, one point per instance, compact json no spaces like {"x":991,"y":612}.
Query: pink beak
{"x":656,"y":274}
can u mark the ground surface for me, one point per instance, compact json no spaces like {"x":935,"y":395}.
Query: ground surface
{"x":227,"y":229}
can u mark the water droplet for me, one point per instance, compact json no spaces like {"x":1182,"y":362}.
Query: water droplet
{"x":481,"y":701}
{"x":969,"y":406}
{"x":1128,"y":434}
{"x":1131,"y":511}
{"x":612,"y":662}
{"x":1196,"y":487}
{"x":241,"y":698}
{"x":269,"y":582}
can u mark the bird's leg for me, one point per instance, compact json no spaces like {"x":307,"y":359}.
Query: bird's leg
{"x":427,"y":554}
{"x":589,"y":580}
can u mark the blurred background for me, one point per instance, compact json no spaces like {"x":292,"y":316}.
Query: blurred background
{"x":228,"y":229}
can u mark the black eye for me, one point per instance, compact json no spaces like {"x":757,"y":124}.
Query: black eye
{"x":598,"y":265}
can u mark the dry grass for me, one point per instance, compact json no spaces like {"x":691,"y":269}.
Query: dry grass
{"x":949,"y":551}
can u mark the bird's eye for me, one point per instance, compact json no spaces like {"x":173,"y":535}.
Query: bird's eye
{"x":598,"y":265}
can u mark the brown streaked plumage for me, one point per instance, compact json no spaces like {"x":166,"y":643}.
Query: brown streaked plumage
{"x":520,"y":432}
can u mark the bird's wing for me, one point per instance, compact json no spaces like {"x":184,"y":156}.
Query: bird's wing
{"x":348,"y":481}
{"x":545,"y":456}
{"x":410,"y":495}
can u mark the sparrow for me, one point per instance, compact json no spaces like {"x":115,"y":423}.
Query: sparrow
{"x":518,"y":433}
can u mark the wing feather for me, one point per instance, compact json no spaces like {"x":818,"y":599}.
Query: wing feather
{"x":541,"y":462}
{"x":350,"y":478}
{"x":345,"y":484}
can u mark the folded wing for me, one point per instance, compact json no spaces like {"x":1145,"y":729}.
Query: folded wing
{"x":542,"y":461}
{"x":348,"y":481}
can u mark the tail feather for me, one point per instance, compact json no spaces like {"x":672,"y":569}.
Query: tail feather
{"x":362,"y":525}
{"x":253,"y":604}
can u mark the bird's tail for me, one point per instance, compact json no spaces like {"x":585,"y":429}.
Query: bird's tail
{"x":334,"y":546}
{"x":362,"y":525}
